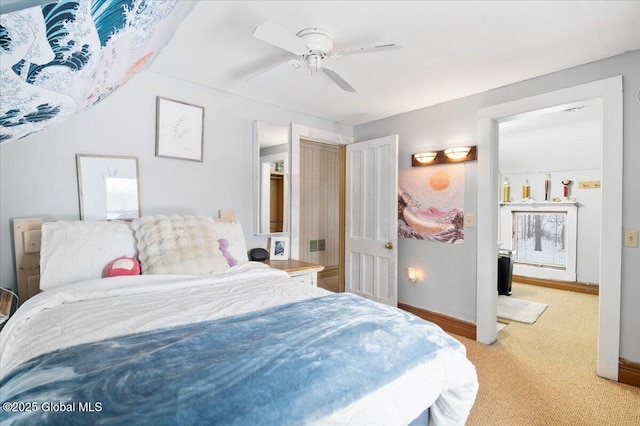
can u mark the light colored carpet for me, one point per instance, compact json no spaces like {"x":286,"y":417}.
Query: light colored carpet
{"x":544,"y":375}
{"x":500,"y":326}
{"x":519,"y":310}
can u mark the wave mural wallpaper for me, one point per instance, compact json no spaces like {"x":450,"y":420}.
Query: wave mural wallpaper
{"x":431,"y":203}
{"x":62,"y":58}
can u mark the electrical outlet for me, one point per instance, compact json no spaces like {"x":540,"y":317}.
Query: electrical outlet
{"x":631,"y":238}
{"x":468,"y":221}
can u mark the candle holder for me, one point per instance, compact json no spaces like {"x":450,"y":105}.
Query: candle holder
{"x":547,"y":187}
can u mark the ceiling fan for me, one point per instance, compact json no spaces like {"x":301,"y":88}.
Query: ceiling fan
{"x":312,"y":46}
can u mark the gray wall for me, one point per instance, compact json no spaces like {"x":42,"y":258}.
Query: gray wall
{"x":449,"y":286}
{"x":38,"y":172}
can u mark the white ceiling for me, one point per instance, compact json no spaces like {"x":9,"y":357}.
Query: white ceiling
{"x":569,"y":138}
{"x":450,"y":49}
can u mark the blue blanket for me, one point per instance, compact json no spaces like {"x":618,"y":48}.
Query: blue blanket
{"x":289,"y":364}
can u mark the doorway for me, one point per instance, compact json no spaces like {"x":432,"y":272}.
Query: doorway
{"x":608,"y":93}
{"x":299,"y":134}
{"x":549,"y":226}
{"x":550,"y":164}
{"x":322,"y":171}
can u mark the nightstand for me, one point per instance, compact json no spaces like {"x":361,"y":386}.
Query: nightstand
{"x":302,"y":272}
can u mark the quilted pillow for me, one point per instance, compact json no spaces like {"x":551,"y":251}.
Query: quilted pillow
{"x":80,"y":250}
{"x":232,"y":232}
{"x":183,"y":245}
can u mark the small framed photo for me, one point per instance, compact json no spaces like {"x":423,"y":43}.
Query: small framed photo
{"x":279,"y":248}
{"x":179,"y":130}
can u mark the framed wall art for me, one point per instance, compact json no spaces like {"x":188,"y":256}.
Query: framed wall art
{"x":179,"y":130}
{"x":108,"y":187}
{"x":431,"y":203}
{"x":279,"y":248}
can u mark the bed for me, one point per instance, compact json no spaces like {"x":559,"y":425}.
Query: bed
{"x":195,"y":341}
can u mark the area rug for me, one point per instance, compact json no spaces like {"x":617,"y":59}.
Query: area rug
{"x":519,"y":310}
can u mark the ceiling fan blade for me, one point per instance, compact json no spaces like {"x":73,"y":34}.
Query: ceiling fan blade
{"x":265,"y":78}
{"x":381,"y":48}
{"x":274,"y":34}
{"x":337,"y":79}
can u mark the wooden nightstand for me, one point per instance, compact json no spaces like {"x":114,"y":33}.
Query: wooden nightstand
{"x":303,"y":272}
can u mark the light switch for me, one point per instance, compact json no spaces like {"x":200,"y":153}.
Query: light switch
{"x":631,"y":238}
{"x":468,"y":221}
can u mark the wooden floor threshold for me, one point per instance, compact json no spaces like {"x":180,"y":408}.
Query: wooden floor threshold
{"x":558,"y":285}
{"x":447,"y":323}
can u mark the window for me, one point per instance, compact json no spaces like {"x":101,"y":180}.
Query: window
{"x":543,"y":237}
{"x":540,"y":238}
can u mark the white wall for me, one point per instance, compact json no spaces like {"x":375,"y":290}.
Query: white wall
{"x":38,"y":172}
{"x":450,"y":284}
{"x":567,"y":145}
{"x":589,"y":208}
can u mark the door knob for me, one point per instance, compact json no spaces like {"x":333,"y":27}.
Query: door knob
{"x":389,"y":245}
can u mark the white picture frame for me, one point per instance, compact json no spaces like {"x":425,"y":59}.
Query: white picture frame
{"x":278,"y":248}
{"x":179,"y":130}
{"x":108,"y":187}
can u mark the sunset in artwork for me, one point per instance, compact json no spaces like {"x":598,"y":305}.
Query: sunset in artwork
{"x":439,"y":181}
{"x":431,"y":203}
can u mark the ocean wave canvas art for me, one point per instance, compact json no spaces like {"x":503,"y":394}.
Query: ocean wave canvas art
{"x":63,"y":57}
{"x":431,"y":203}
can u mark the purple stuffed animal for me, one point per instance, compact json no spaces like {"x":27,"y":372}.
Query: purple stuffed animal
{"x":224,"y":245}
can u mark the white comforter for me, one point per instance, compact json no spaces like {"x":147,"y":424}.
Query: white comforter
{"x":99,"y":309}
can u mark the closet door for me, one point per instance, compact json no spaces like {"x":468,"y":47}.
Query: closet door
{"x":321,"y":210}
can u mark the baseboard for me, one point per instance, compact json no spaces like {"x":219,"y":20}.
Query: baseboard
{"x":559,"y":285}
{"x":629,"y":372}
{"x":447,"y":323}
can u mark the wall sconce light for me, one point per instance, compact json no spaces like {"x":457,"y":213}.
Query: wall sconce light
{"x":425,"y":157}
{"x":456,"y":154}
{"x":413,"y":275}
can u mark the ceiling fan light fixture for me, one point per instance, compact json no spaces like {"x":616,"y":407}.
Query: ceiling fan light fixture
{"x":314,"y":62}
{"x":458,"y":152}
{"x":318,"y":41}
{"x":425,"y":157}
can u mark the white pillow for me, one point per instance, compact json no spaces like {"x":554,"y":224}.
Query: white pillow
{"x":232,"y":232}
{"x":178,"y":245}
{"x":75,"y":251}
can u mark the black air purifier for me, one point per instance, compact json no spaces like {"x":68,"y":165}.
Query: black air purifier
{"x":505,"y":272}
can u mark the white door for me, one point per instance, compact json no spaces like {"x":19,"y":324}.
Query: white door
{"x":371,"y":229}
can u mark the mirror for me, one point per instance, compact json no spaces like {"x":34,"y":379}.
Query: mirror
{"x":271,"y":178}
